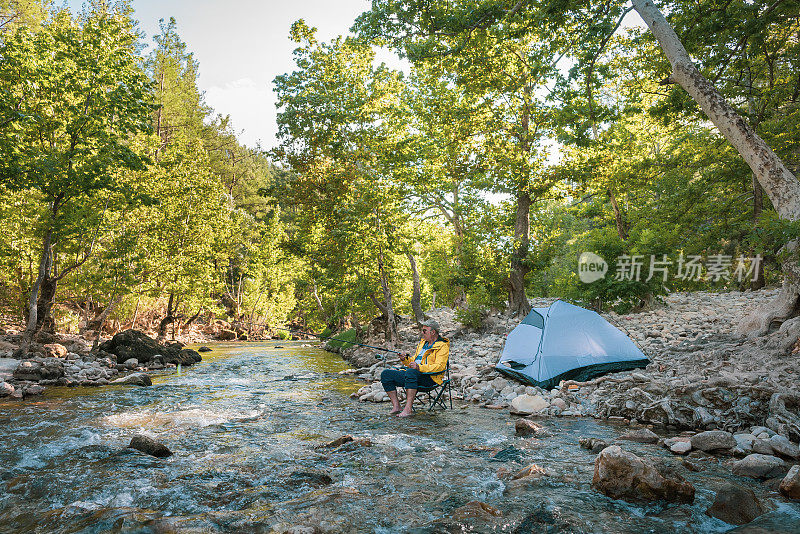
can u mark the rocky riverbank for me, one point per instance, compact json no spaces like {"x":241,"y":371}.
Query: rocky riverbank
{"x":702,"y":374}
{"x":68,"y":361}
{"x":702,"y":377}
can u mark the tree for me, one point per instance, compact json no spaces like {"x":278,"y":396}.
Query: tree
{"x":15,"y":14}
{"x":504,"y":70}
{"x":782,"y":187}
{"x":337,"y":126}
{"x":421,"y":27}
{"x":72,"y":93}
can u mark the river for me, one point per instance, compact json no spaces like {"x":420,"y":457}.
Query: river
{"x":245,"y":426}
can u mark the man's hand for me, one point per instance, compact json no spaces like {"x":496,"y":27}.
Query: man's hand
{"x":413,"y":365}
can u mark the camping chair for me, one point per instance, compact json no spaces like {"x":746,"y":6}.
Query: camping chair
{"x":435,"y":393}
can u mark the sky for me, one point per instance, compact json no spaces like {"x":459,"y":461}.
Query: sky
{"x":241,"y":46}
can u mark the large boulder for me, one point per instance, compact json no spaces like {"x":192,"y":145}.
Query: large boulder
{"x":623,"y":475}
{"x":183,"y":357}
{"x":528,"y":404}
{"x":134,"y":344}
{"x":736,"y":505}
{"x":641,"y":435}
{"x":790,"y":485}
{"x":759,"y":466}
{"x":713,"y":440}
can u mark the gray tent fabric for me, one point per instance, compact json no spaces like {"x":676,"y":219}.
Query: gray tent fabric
{"x":566,"y":342}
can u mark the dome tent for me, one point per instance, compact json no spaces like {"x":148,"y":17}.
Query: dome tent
{"x":566,"y":342}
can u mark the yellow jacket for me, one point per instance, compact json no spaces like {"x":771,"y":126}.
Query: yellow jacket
{"x":435,"y":358}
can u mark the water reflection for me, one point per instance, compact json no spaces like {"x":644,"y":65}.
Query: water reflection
{"x":245,"y":426}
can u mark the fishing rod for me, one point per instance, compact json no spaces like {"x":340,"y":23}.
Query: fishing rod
{"x":318,"y":336}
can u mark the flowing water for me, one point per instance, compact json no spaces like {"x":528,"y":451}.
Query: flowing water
{"x":245,"y":426}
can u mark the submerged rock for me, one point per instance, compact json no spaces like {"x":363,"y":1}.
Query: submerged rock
{"x":338,"y":442}
{"x":736,"y":505}
{"x":623,"y":475}
{"x":543,"y":520}
{"x":149,"y":446}
{"x":312,"y":478}
{"x":475,"y":509}
{"x":641,"y":435}
{"x":526,"y":427}
{"x":135,"y":379}
{"x":593,"y":444}
{"x":508,"y":454}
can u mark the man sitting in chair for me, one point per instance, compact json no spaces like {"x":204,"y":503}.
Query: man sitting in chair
{"x":425,"y":369}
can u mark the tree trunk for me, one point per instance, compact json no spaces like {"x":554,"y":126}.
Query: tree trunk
{"x":622,"y":229}
{"x":194,"y":317}
{"x":47,"y":295}
{"x":318,"y":300}
{"x":517,"y":302}
{"x":100,"y":320}
{"x":380,"y":305}
{"x":136,"y":311}
{"x":416,"y":295}
{"x":387,"y":298}
{"x":45,"y":264}
{"x":758,"y":206}
{"x":778,"y":182}
{"x":168,"y":319}
{"x":781,"y":186}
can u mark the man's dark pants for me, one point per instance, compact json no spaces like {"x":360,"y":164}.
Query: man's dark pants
{"x":405,"y":378}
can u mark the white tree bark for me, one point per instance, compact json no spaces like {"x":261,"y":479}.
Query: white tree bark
{"x":779,"y":183}
{"x":782,"y":187}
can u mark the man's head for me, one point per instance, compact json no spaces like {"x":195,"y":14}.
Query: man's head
{"x":430,"y":330}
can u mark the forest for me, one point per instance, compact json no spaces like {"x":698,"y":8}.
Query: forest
{"x":525,"y":134}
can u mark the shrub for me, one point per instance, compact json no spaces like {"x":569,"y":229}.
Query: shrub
{"x":341,"y":339}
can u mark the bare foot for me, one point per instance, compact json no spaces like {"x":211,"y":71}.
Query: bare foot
{"x":405,"y":414}
{"x":394,"y":411}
